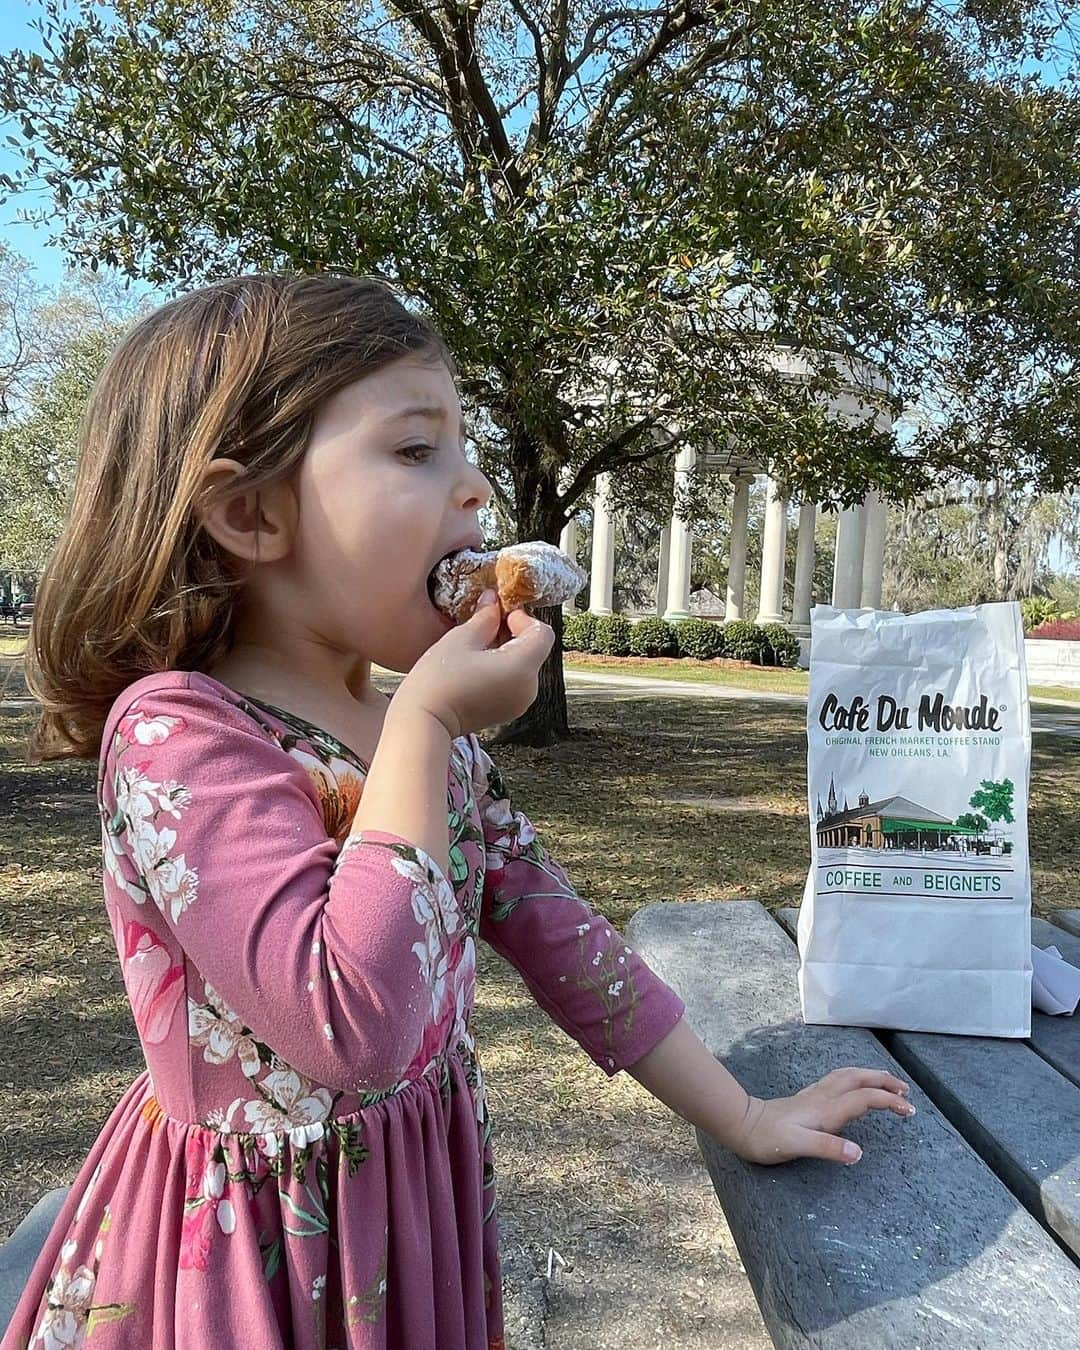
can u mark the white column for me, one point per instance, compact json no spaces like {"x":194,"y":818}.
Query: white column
{"x":678,"y":587}
{"x":847,"y":568}
{"x":662,"y":570}
{"x":771,"y":599}
{"x":568,"y":542}
{"x":804,"y":567}
{"x":873,"y":551}
{"x":602,"y":572}
{"x":736,"y":577}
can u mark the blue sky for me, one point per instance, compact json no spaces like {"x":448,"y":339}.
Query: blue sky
{"x":15,"y":31}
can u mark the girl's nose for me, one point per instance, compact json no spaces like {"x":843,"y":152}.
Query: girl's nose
{"x":476,"y":491}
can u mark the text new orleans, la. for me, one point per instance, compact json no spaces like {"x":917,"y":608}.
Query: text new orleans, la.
{"x":934,"y":714}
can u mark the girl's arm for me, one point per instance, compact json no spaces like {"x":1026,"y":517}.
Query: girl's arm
{"x":405,"y":788}
{"x":599,"y":990}
{"x":215,"y":840}
{"x":682,"y":1074}
{"x":577,"y":965}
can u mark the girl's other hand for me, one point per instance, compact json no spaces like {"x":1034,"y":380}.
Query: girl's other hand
{"x":483,"y":672}
{"x":805,"y":1125}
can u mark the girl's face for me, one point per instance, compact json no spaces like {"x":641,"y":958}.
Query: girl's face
{"x":384,"y":492}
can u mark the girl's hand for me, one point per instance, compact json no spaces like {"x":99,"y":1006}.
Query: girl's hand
{"x":477,"y":676}
{"x":804,"y":1126}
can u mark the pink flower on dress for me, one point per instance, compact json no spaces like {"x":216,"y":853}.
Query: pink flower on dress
{"x":135,"y":728}
{"x":205,"y":1212}
{"x":154,"y":982}
{"x":195,"y":1234}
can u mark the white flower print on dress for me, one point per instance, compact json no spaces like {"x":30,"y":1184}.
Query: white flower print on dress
{"x":292,"y":1106}
{"x":140,"y":801}
{"x":431,"y":903}
{"x":71,"y":1293}
{"x":220,"y":1118}
{"x":213,"y":1189}
{"x":433,"y":967}
{"x":463,"y":981}
{"x":112,"y":851}
{"x":86,"y":1193}
{"x":508,"y":825}
{"x":216,"y":1027}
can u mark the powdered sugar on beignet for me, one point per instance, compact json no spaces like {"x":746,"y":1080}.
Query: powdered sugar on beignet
{"x":534,"y":573}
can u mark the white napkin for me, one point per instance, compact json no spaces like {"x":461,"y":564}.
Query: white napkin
{"x":1055,"y":985}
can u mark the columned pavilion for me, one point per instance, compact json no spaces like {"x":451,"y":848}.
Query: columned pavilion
{"x":860,"y":534}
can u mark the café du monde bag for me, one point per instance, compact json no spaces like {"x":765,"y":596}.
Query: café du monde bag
{"x":917,"y":908}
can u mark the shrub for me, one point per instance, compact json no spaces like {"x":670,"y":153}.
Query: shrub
{"x":613,"y":634}
{"x":579,"y":632}
{"x":1067,"y":629}
{"x":1036,"y":610}
{"x":699,"y":639}
{"x":653,"y":637}
{"x":745,"y":641}
{"x":782,"y":647}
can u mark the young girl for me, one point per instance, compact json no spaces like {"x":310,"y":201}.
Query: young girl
{"x":297,"y":869}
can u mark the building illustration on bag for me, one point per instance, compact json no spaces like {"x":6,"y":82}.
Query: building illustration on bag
{"x":899,"y":823}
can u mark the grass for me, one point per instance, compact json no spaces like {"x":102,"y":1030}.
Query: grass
{"x":764,"y":678}
{"x":602,"y":804}
{"x":756,"y":678}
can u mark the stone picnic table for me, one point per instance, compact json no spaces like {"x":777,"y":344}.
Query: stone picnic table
{"x":960,"y":1227}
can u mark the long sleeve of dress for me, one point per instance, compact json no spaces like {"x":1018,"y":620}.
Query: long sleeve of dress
{"x":331,"y":958}
{"x":579,"y":968}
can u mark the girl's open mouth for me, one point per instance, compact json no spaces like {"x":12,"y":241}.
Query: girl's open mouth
{"x":447,"y":619}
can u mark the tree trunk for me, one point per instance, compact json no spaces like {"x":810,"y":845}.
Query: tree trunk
{"x":546,"y":721}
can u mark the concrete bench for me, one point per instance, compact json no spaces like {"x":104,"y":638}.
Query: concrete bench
{"x":20,"y":1251}
{"x":921,"y":1244}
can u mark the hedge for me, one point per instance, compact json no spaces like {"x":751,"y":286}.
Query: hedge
{"x":613,"y":635}
{"x":699,"y":639}
{"x":653,"y":637}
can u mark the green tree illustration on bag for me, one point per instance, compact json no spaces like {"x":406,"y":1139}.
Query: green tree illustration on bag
{"x":971,"y":820}
{"x":995,"y":799}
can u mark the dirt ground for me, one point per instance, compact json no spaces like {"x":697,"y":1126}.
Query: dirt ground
{"x":598,"y":1182}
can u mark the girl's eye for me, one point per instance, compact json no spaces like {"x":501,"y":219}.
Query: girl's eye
{"x":417,"y":450}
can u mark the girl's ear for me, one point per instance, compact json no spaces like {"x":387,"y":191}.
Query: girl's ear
{"x":253,"y":524}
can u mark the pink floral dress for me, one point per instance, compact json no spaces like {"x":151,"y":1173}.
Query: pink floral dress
{"x":305,"y":1161}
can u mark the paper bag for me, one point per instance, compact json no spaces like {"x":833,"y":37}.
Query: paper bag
{"x":917,"y":908}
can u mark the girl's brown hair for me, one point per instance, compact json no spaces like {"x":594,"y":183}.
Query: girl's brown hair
{"x":238,"y":369}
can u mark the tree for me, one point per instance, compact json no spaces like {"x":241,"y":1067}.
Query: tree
{"x":965,"y":543}
{"x":608,"y":210}
{"x":64,"y":339}
{"x":971,"y":821}
{"x":995,"y":799}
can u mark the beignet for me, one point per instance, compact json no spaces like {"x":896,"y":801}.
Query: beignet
{"x":534,"y":574}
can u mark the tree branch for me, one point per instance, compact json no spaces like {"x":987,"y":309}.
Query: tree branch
{"x":497,"y":147}
{"x":611,"y":456}
{"x":422,"y":21}
{"x":678,"y":22}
